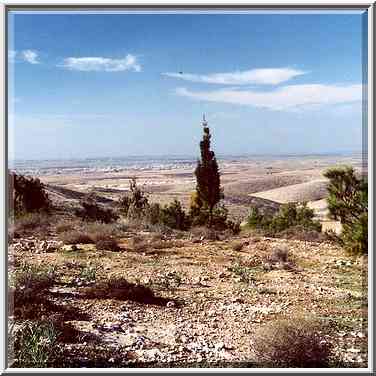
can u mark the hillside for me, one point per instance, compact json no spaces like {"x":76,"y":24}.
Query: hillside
{"x":204,"y":299}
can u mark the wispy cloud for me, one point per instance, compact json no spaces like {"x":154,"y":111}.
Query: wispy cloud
{"x":265,"y":76}
{"x":286,"y":98}
{"x":11,"y":56}
{"x":104,"y":64}
{"x":30,"y":56}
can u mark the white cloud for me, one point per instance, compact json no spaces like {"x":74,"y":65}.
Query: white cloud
{"x":12,"y":56}
{"x":31,"y":56}
{"x":265,"y":76}
{"x":88,"y":64}
{"x":286,"y":98}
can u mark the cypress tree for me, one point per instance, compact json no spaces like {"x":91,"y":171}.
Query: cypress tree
{"x":207,"y":174}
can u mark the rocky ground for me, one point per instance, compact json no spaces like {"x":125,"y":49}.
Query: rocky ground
{"x":212,"y":297}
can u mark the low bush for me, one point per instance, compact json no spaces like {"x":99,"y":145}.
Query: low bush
{"x":35,"y":344}
{"x":29,"y":280}
{"x":88,"y":273}
{"x":173,"y":216}
{"x":290,"y":215}
{"x":233,"y":226}
{"x":237,"y":246}
{"x":244,"y":272}
{"x":163,"y":244}
{"x":65,"y":226}
{"x":279,"y":259}
{"x":279,"y":254}
{"x":76,"y":237}
{"x":106,"y":243}
{"x":31,"y":223}
{"x":301,"y":233}
{"x":204,"y":233}
{"x":92,"y":211}
{"x":291,"y":343}
{"x":118,"y":287}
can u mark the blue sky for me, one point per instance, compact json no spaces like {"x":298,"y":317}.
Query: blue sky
{"x":88,"y":85}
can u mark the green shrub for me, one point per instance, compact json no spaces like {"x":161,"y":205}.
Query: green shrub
{"x":289,"y":215}
{"x":29,"y":281}
{"x":291,"y":343}
{"x":348,"y":203}
{"x":153,"y":213}
{"x":173,"y":216}
{"x":200,"y":216}
{"x":234,"y":227}
{"x":88,"y":273}
{"x":355,"y":236}
{"x":35,"y":344}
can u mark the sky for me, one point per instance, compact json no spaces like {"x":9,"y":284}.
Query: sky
{"x":84,"y":85}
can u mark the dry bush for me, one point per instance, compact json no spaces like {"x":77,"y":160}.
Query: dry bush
{"x":204,"y":233}
{"x":117,"y":287}
{"x":76,"y":237}
{"x":32,"y":223}
{"x":279,"y":254}
{"x":292,"y":343}
{"x":301,"y":233}
{"x":65,"y":226}
{"x":95,"y":228}
{"x":106,"y":243}
{"x":279,"y":259}
{"x":238,"y":245}
{"x":162,"y":244}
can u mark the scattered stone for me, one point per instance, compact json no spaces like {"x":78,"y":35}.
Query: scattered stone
{"x":170,"y":304}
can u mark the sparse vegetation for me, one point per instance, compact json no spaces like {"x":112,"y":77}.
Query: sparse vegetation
{"x":173,"y":257}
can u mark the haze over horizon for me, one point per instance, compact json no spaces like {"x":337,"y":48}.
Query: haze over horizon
{"x":113,"y":85}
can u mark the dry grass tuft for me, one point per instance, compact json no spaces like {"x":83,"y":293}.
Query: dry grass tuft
{"x":76,"y":237}
{"x":292,"y":343}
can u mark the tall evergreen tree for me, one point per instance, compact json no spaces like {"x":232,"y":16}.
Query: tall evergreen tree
{"x":207,"y":174}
